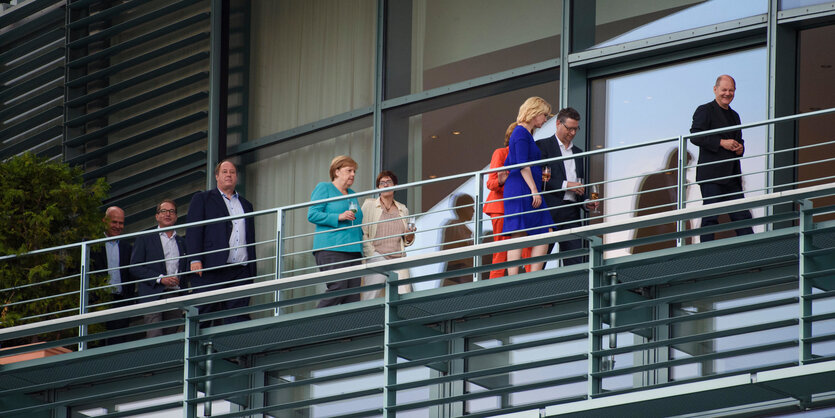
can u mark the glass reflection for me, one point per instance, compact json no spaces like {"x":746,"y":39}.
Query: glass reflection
{"x":674,"y":19}
{"x":659,"y":104}
{"x":433,"y":43}
{"x":792,"y":4}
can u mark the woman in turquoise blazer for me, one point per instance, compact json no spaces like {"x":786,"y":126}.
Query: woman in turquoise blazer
{"x":338,"y":239}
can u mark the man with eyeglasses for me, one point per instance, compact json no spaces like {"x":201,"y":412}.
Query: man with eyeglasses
{"x":165,"y":252}
{"x":564,"y":191}
{"x":719,"y":173}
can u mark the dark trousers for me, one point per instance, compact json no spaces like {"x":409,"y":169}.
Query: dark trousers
{"x":119,"y":323}
{"x":733,"y":190}
{"x":342,"y":259}
{"x":222,"y":279}
{"x":571,"y":215}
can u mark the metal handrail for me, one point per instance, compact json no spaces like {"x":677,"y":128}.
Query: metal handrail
{"x":281,"y":212}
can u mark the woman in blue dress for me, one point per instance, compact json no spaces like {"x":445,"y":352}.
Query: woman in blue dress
{"x":526,"y":183}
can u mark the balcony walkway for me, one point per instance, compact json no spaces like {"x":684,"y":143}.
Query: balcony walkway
{"x":639,"y":335}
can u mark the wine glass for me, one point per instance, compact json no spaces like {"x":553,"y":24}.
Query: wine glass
{"x":595,"y":194}
{"x":546,"y":175}
{"x":353,"y":208}
{"x":411,"y":224}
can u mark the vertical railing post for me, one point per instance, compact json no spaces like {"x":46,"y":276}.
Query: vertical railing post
{"x":279,"y":251}
{"x":478,"y":216}
{"x":805,"y":287}
{"x":681,"y":186}
{"x":82,"y":295}
{"x":594,"y":321}
{"x":389,"y":355}
{"x":190,"y":349}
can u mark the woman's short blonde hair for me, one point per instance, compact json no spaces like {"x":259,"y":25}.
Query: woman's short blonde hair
{"x":341,"y":161}
{"x":532,"y":108}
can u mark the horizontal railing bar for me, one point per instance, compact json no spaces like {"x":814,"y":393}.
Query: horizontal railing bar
{"x":819,"y":273}
{"x":696,"y":295}
{"x":697,"y":337}
{"x":492,"y":308}
{"x":486,"y":330}
{"x":695,"y":317}
{"x":821,"y":295}
{"x":492,"y":392}
{"x":485,"y":351}
{"x":296,"y":404}
{"x":294,"y":342}
{"x":488,"y":372}
{"x":819,"y":317}
{"x":667,"y":384}
{"x":93,"y":378}
{"x":358,"y":352}
{"x":288,"y":385}
{"x":698,"y":359}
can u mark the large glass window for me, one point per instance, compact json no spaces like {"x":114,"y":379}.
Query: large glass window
{"x":816,"y":91}
{"x":619,"y":22}
{"x":659,"y":103}
{"x":310,"y":60}
{"x":432,"y":43}
{"x":453,"y":139}
{"x":286,"y":173}
{"x":792,"y":4}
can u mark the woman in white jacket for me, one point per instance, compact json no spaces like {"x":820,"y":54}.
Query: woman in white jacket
{"x":385,"y":233}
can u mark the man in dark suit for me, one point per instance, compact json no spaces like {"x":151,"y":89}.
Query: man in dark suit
{"x":564,"y":191}
{"x":221,"y":247}
{"x":113,"y":258}
{"x":164,"y":278}
{"x":720,"y":181}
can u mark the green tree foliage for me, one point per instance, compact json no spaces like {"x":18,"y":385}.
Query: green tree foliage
{"x":44,"y":204}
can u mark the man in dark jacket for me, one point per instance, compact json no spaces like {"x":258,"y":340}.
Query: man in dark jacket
{"x":719,"y":174}
{"x":221,"y":247}
{"x":164,"y":277}
{"x":113,"y":258}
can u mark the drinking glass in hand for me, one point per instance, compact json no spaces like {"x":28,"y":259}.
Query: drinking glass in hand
{"x":353,"y":208}
{"x":546,"y":174}
{"x":411,"y":224}
{"x":595,"y":194}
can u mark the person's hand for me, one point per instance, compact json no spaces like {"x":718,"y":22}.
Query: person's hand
{"x":537,"y":200}
{"x":502,"y":176}
{"x":731,"y":145}
{"x":197,"y":266}
{"x":592,"y":205}
{"x":740,"y":149}
{"x":170,"y":281}
{"x":347,"y":216}
{"x":575,"y":187}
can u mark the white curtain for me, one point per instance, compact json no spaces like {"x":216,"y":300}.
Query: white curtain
{"x":311,"y":59}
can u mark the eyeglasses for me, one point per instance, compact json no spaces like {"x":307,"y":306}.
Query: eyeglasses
{"x":573,"y":130}
{"x":167,"y":211}
{"x":386,"y":183}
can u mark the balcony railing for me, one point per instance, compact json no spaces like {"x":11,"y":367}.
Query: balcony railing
{"x":594,"y":331}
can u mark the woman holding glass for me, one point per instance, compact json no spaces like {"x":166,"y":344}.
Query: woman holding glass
{"x":336,"y":243}
{"x":525,"y":183}
{"x":385,"y":233}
